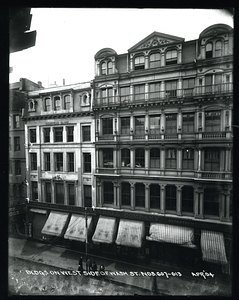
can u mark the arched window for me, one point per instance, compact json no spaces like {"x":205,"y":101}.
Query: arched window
{"x":209,"y":50}
{"x":171,"y":57}
{"x":103,"y":68}
{"x":47,"y":104}
{"x":139,"y":63}
{"x":67,"y":102}
{"x":218,"y":49}
{"x":154,"y":60}
{"x":57,"y":103}
{"x":109,"y":68}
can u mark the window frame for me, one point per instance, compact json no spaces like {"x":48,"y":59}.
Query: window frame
{"x":187,"y":201}
{"x":47,"y":104}
{"x":188,"y":159}
{"x":171,"y":124}
{"x":70,"y":162}
{"x":71,"y":196}
{"x":139,"y":158}
{"x":108,"y":157}
{"x":33,"y":157}
{"x":48,"y":194}
{"x":57,"y":103}
{"x":171,"y":198}
{"x":140,"y":194}
{"x":47,"y":161}
{"x":87,"y":162}
{"x":107,"y":126}
{"x":17,"y":143}
{"x":155,"y":63}
{"x":16,"y":121}
{"x":18,"y":169}
{"x":212,"y":117}
{"x":170,"y":58}
{"x":188,"y":122}
{"x":87,"y":195}
{"x":125,"y":159}
{"x":212,"y":159}
{"x":210,"y":206}
{"x":171,"y":162}
{"x":209,"y":52}
{"x":59,"y":197}
{"x":58,"y":162}
{"x":70,"y":133}
{"x":47,"y":134}
{"x":139,"y":62}
{"x":34,"y":190}
{"x":154,"y":198}
{"x":154,"y":159}
{"x":86,"y":132}
{"x":58,"y":134}
{"x":108,"y":192}
{"x":125,"y":129}
{"x":67,"y":102}
{"x":32,"y":135}
{"x":125,"y":193}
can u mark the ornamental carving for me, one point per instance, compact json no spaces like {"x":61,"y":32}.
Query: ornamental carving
{"x":155,"y":42}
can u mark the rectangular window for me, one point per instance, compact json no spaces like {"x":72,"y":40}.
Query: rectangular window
{"x":58,"y":160}
{"x":107,"y":124}
{"x":171,"y":159}
{"x":218,"y":83}
{"x":71,"y":193}
{"x":208,"y":84}
{"x":211,"y":201}
{"x":154,"y":60}
{"x":154,"y":90}
{"x":17,"y":167}
{"x":155,"y":196}
{"x":188,"y":86}
{"x":139,"y":92}
{"x":139,"y":158}
{"x":187,"y":199}
{"x":67,"y":102}
{"x":17,"y":143}
{"x":171,"y":57}
{"x":171,"y":124}
{"x":171,"y":88}
{"x":212,"y":159}
{"x":139,"y":125}
{"x":170,"y":198}
{"x":87,"y":162}
{"x":139,"y":63}
{"x":34,"y":185}
{"x":125,"y":125}
{"x":48,"y":192}
{"x":188,"y":123}
{"x":188,"y":159}
{"x":59,"y":190}
{"x":125,"y":193}
{"x":70,"y":133}
{"x":154,"y":125}
{"x":212,"y":121}
{"x":33,"y":138}
{"x":47,"y":104}
{"x":86,"y":133}
{"x":58,"y":134}
{"x":57,"y":103}
{"x":110,"y":95}
{"x":108,"y":192}
{"x":140,"y":194}
{"x":87,"y":196}
{"x":155,"y":158}
{"x":125,"y":94}
{"x":125,"y":157}
{"x":16,"y":121}
{"x":33,"y":161}
{"x":70,"y":162}
{"x":47,"y":161}
{"x":108,"y":158}
{"x":46,"y":132}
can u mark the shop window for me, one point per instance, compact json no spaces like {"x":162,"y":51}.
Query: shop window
{"x":212,"y":159}
{"x":108,"y":190}
{"x":188,"y":123}
{"x":87,"y":196}
{"x":125,"y":157}
{"x":71,"y":193}
{"x":107,"y":124}
{"x":70,"y":133}
{"x":155,"y":158}
{"x":218,"y":49}
{"x":58,"y":134}
{"x":109,"y":68}
{"x":139,"y":125}
{"x":188,"y":159}
{"x":48,"y":192}
{"x":154,"y":90}
{"x":187,"y":199}
{"x":67,"y":102}
{"x":171,"y":88}
{"x":155,"y":196}
{"x":33,"y":161}
{"x":139,"y":158}
{"x":209,"y":50}
{"x":154,"y":60}
{"x":58,"y":160}
{"x":103,"y":68}
{"x":86,"y":133}
{"x":139,"y":63}
{"x":139,"y":92}
{"x":171,"y":57}
{"x":70,"y":162}
{"x":171,"y":159}
{"x":47,"y":161}
{"x":17,"y":167}
{"x":170,"y":198}
{"x":57,"y":103}
{"x":108,"y":158}
{"x":171,"y":124}
{"x":212,"y":121}
{"x":33,"y":137}
{"x":188,"y":86}
{"x":59,"y":188}
{"x":16,"y":121}
{"x":16,"y":143}
{"x":154,"y":125}
{"x":140,"y":195}
{"x":87,"y":162}
{"x":125,"y":125}
{"x":211,"y":201}
{"x":47,"y":104}
{"x":125,"y":193}
{"x":46,"y":133}
{"x":34,"y":185}
{"x":125,"y":94}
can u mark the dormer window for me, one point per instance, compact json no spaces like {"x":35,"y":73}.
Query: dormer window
{"x":57,"y":103}
{"x":209,"y":50}
{"x":139,"y":63}
{"x":171,"y":57}
{"x":67,"y":102}
{"x":85,"y":100}
{"x":218,"y":49}
{"x":154,"y":60}
{"x":103,"y":68}
{"x":109,"y":68}
{"x":31,"y":105}
{"x":47,"y":104}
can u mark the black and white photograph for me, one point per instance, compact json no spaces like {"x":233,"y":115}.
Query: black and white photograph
{"x":120,"y":152}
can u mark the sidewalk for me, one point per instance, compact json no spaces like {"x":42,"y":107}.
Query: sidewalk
{"x":167,"y":281}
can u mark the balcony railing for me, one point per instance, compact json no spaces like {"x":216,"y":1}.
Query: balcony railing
{"x":213,"y":175}
{"x":209,"y":90}
{"x":213,"y":135}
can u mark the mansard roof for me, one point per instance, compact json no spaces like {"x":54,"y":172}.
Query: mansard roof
{"x":156,"y":39}
{"x":215,"y":30}
{"x":105,"y":52}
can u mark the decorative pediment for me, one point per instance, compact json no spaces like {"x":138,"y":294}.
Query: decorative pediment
{"x":215,"y":30}
{"x":156,"y":39}
{"x":105,"y":52}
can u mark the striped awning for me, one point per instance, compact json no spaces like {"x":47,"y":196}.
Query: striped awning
{"x":130,"y":233}
{"x":55,"y":223}
{"x":213,"y":247}
{"x":183,"y":236}
{"x":38,"y":211}
{"x":76,"y":229}
{"x":105,"y":230}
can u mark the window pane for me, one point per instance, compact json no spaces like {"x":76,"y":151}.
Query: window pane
{"x":32,"y":135}
{"x":125,"y":157}
{"x":171,"y":124}
{"x":46,"y":132}
{"x":140,"y":194}
{"x":155,"y":158}
{"x":125,"y":125}
{"x":139,"y":158}
{"x":155,"y":196}
{"x":48,"y":192}
{"x":58,"y":134}
{"x":58,"y":162}
{"x":125,"y":193}
{"x":67,"y":102}
{"x":87,"y":162}
{"x":108,"y":192}
{"x":86,"y":133}
{"x":59,"y":188}
{"x":107,"y":126}
{"x":108,"y":158}
{"x":211,"y":201}
{"x":71,"y":194}
{"x":188,"y":123}
{"x":154,"y":124}
{"x":170,"y":197}
{"x":187,"y":199}
{"x":87,"y":196}
{"x":212,"y":121}
{"x":139,"y":125}
{"x":47,"y":161}
{"x":70,"y":134}
{"x":71,"y":162}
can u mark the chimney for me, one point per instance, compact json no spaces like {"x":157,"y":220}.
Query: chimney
{"x":64,"y":81}
{"x":39,"y":83}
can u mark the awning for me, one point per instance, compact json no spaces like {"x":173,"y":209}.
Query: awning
{"x":183,"y":236}
{"x":130,"y":233}
{"x":76,"y":229}
{"x":105,"y":230}
{"x":39,"y":211}
{"x":55,"y":223}
{"x":213,"y":248}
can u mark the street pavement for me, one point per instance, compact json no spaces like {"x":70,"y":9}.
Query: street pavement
{"x":162,"y":280}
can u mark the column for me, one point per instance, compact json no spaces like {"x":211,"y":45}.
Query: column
{"x":131,"y":88}
{"x":115,"y":165}
{"x":132,"y":157}
{"x":179,"y":159}
{"x":147,"y":196}
{"x":162,"y":124}
{"x":198,"y":196}
{"x":162,"y":57}
{"x":179,"y":200}
{"x":162,"y":158}
{"x":179,"y":54}
{"x":132,"y":192}
{"x":99,"y":193}
{"x":113,"y":64}
{"x":203,"y":52}
{"x":162,"y":198}
{"x":146,"y":91}
{"x":147,"y":158}
{"x":64,"y":134}
{"x":116,"y":194}
{"x":131,"y":62}
{"x":131,"y":126}
{"x":53,"y":195}
{"x":146,"y":56}
{"x":65,"y":193}
{"x":97,"y":160}
{"x":147,"y":124}
{"x":162,"y":89}
{"x":179,"y":87}
{"x":97,"y":70}
{"x":179,"y":123}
